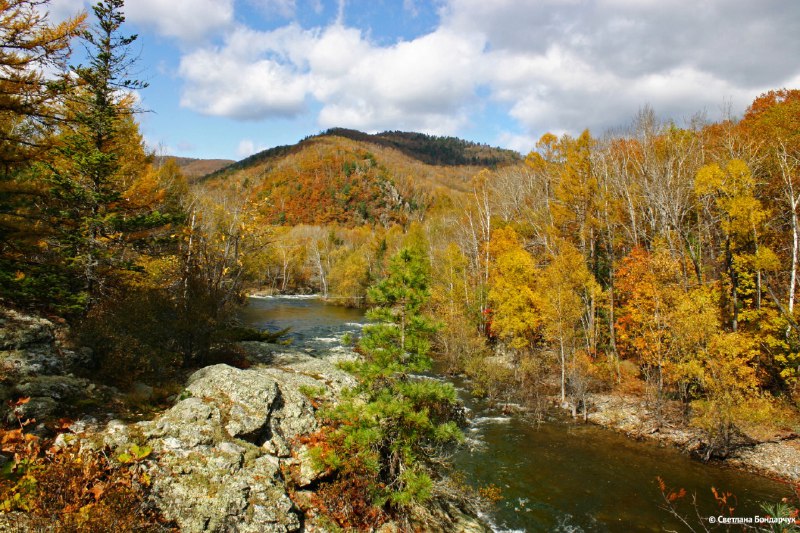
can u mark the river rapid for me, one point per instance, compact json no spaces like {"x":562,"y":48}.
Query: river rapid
{"x":555,"y":476}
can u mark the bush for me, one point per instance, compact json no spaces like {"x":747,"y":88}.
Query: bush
{"x":61,"y":490}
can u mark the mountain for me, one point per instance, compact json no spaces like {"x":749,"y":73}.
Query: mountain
{"x":351,"y":178}
{"x":196,"y":168}
{"x":434,"y":150}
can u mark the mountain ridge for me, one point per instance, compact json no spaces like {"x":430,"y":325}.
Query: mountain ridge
{"x":351,"y":178}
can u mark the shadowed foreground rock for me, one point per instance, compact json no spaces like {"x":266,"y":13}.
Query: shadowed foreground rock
{"x":35,"y":364}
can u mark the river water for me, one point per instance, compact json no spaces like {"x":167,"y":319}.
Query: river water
{"x":555,"y":476}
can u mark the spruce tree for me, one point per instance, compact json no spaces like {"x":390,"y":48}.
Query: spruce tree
{"x":87,"y":175}
{"x":395,"y":423}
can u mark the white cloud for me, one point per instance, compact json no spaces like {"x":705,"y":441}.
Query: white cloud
{"x":245,"y":79}
{"x":554,"y":65}
{"x":248,"y":147}
{"x":190,"y":21}
{"x":422,"y":84}
{"x":521,"y":143}
{"x":61,"y":10}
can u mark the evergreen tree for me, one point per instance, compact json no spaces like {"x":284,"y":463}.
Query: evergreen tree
{"x":398,"y":341}
{"x":394,"y":424}
{"x":100,"y":156}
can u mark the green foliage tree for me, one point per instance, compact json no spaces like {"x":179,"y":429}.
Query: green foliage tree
{"x":97,"y":159}
{"x":395,"y":424}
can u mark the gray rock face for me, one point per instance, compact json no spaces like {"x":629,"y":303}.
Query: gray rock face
{"x":221,"y":455}
{"x":27,"y":346}
{"x":33,"y":364}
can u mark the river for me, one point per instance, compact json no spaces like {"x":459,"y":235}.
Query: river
{"x":555,"y":476}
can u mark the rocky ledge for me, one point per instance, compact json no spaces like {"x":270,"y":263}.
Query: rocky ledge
{"x":225,"y":456}
{"x":36,"y":364}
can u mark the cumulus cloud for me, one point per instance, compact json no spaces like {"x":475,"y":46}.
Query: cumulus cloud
{"x":567,"y":65}
{"x":60,"y":10}
{"x":187,"y":20}
{"x":421,"y":84}
{"x":248,"y":147}
{"x":554,"y":65}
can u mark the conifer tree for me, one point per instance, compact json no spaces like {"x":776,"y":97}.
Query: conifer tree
{"x":91,"y":169}
{"x":394,"y":423}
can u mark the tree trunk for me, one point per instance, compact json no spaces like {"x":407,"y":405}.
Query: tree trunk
{"x":563,"y":371}
{"x":795,"y":246}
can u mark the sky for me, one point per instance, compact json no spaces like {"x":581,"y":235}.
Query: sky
{"x":228,"y":78}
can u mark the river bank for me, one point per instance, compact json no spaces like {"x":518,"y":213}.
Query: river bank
{"x":776,"y":458}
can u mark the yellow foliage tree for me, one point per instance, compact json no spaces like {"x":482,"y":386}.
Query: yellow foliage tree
{"x":565,"y":295}
{"x":730,"y":384}
{"x":512,"y":294}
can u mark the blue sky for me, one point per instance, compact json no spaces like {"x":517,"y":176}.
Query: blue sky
{"x":231,"y":77}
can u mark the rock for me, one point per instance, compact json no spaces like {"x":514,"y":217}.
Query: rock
{"x":306,"y":470}
{"x":141,"y":391}
{"x":27,"y":346}
{"x":245,"y":399}
{"x":34,"y":364}
{"x":21,"y":331}
{"x":34,"y":409}
{"x":61,"y":388}
{"x":321,"y":370}
{"x":189,"y":424}
{"x":211,"y":473}
{"x":220,"y":455}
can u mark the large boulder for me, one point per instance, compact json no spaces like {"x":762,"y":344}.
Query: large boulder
{"x":222,"y":455}
{"x":27,"y":346}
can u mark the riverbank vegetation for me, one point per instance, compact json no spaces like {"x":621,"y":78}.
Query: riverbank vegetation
{"x":660,"y":261}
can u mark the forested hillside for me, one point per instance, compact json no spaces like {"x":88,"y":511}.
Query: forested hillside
{"x":194,"y":168}
{"x":351,"y":178}
{"x":662,"y":261}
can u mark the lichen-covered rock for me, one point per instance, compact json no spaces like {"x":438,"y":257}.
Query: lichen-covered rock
{"x":34,"y":364}
{"x":213,"y":468}
{"x":19,"y":331}
{"x":322,"y":370}
{"x":245,"y":399}
{"x":221,"y":454}
{"x":27,"y":346}
{"x":63,"y":388}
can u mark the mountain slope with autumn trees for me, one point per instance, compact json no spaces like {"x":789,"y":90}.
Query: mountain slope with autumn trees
{"x":351,"y":178}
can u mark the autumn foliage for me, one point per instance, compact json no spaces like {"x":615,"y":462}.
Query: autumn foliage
{"x":62,"y":489}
